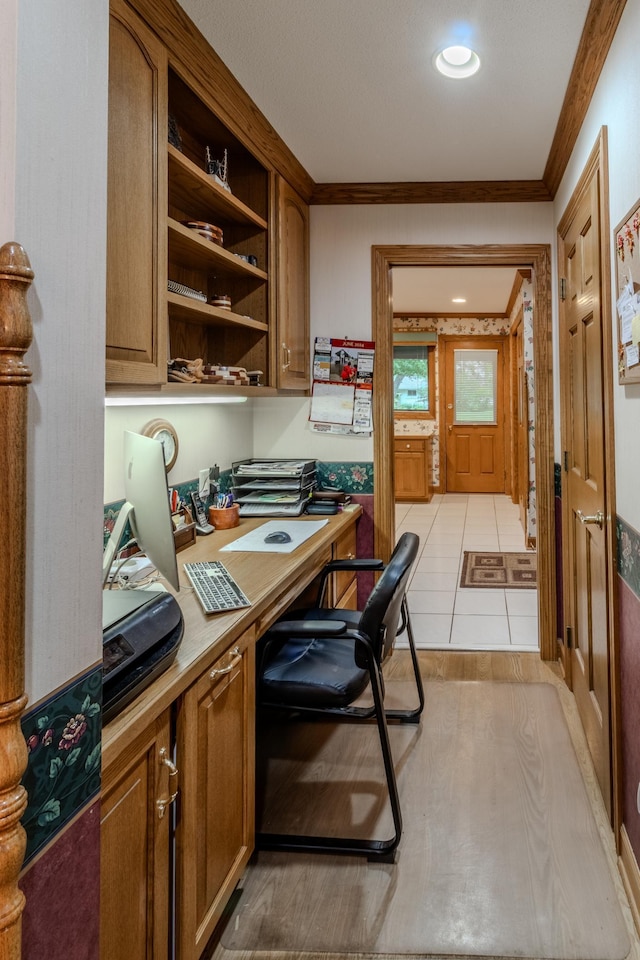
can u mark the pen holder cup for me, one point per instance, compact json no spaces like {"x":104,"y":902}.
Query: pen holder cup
{"x":223,"y":518}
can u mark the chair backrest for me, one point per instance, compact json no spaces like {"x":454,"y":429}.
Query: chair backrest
{"x":381,"y":615}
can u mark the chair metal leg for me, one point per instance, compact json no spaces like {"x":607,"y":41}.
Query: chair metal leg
{"x":375,"y":850}
{"x":409,"y":716}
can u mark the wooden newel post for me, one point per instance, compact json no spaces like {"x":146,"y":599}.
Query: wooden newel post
{"x":15,"y":336}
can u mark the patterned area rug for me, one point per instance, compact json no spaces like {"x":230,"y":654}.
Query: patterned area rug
{"x":512,"y":570}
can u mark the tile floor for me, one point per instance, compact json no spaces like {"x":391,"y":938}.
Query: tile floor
{"x":443,"y":615}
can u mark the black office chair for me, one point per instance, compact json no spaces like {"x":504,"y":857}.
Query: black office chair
{"x":321,"y":660}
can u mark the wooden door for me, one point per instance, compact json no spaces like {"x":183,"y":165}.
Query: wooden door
{"x":474,"y":435}
{"x":587,"y":537}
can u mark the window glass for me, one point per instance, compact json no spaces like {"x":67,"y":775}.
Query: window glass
{"x":476,"y":383}
{"x":411,"y":377}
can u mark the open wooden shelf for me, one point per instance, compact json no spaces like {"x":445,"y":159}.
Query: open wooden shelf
{"x":189,"y":249}
{"x":191,"y":188}
{"x":196,"y":311}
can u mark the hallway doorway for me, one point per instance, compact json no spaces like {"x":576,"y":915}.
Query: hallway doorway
{"x":537,"y":258}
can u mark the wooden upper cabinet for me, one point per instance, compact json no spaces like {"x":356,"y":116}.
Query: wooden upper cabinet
{"x":292,"y":347}
{"x":136,"y":202}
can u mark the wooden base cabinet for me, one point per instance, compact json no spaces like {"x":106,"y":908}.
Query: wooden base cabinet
{"x":134,"y":863}
{"x":412,"y":469}
{"x":345,"y":585}
{"x":216,"y":822}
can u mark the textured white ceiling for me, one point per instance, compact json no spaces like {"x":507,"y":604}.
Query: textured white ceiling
{"x":350,"y":87}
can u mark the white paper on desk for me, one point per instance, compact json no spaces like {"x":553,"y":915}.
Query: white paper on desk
{"x":298,"y":530}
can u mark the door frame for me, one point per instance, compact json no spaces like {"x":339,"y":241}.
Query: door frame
{"x":537,"y":257}
{"x":505,"y":408}
{"x":597,"y":165}
{"x":518,"y":399}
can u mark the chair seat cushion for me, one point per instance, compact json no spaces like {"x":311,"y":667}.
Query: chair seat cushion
{"x":313,"y":672}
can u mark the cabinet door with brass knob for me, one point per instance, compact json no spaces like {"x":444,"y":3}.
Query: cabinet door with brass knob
{"x":137,"y":790}
{"x":412,"y":469}
{"x":215,"y":828}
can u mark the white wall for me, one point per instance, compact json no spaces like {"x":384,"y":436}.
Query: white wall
{"x":341,"y":241}
{"x":60,"y":218}
{"x":207,"y":435}
{"x":616,"y":105}
{"x":8,"y":55}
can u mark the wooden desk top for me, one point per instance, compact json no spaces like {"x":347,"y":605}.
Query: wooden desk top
{"x":272,"y":581}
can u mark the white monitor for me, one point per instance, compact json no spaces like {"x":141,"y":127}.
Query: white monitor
{"x":146,"y":508}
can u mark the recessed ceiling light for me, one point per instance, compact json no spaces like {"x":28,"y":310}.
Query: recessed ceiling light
{"x":458,"y":300}
{"x":457,"y":62}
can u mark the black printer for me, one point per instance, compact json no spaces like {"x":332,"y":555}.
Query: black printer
{"x":141,"y":633}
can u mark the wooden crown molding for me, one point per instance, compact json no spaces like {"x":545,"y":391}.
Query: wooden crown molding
{"x":460,"y":191}
{"x":599,"y":30}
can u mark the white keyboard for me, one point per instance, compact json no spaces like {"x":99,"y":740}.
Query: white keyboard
{"x":214,"y":586}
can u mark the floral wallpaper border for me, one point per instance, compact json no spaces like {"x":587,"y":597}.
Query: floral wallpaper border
{"x":628,"y":558}
{"x":63,"y":736}
{"x":352,"y":477}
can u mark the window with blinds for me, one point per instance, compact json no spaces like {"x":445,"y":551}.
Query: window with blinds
{"x":475,"y":386}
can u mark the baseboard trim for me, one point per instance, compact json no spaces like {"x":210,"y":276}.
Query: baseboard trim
{"x":630,"y":873}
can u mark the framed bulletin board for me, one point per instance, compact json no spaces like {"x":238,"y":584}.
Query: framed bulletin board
{"x":627,"y":245}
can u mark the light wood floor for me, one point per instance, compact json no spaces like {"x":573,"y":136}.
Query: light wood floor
{"x":496,"y":667}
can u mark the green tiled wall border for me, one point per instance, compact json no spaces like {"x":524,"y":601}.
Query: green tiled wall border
{"x":63,"y":736}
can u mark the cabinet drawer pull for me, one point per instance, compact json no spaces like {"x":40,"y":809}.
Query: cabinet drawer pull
{"x":165,"y":802}
{"x":221,"y":671}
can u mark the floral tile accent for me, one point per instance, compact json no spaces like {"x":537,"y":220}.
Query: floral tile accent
{"x":348,"y":476}
{"x":63,"y":736}
{"x":628,"y":558}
